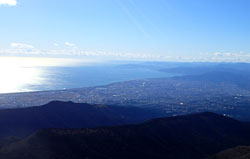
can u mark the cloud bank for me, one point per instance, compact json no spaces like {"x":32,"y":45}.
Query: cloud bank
{"x":71,"y":50}
{"x":21,"y":46}
{"x":8,"y":2}
{"x":69,"y":44}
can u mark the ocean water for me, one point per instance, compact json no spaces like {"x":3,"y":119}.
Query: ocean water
{"x":58,"y":78}
{"x":23,"y":74}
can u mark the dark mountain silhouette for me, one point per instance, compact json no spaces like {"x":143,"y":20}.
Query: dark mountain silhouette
{"x":240,"y":152}
{"x":25,"y":121}
{"x":184,"y":137}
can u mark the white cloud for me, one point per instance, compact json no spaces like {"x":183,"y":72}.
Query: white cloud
{"x":8,"y":2}
{"x":56,"y":44}
{"x":21,"y":46}
{"x":72,"y":50}
{"x":69,"y":44}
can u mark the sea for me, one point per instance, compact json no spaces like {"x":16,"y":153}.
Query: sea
{"x":25,"y":75}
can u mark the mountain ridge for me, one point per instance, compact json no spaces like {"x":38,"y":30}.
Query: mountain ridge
{"x":196,"y":136}
{"x":24,"y":121}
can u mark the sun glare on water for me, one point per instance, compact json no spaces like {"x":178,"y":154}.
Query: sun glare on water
{"x":17,"y":73}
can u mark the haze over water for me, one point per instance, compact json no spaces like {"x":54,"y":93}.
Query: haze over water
{"x":22,"y":74}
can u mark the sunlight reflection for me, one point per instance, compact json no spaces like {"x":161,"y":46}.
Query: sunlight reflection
{"x":16,"y":73}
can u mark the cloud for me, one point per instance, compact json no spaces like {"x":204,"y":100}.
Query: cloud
{"x":8,"y":2}
{"x":56,"y":44}
{"x":21,"y":46}
{"x":69,"y":44}
{"x":19,"y":49}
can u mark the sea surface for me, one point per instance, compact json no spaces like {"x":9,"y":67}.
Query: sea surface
{"x":31,"y":74}
{"x":57,"y":78}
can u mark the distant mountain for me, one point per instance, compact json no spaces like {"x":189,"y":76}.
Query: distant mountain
{"x":240,"y":152}
{"x":238,"y":78}
{"x":201,"y":68}
{"x":24,"y":121}
{"x":184,"y":137}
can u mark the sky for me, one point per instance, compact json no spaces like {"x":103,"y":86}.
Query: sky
{"x":172,"y":30}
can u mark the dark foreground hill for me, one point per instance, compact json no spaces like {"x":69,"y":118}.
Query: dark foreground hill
{"x":25,"y":121}
{"x":183,"y":137}
{"x":240,"y":152}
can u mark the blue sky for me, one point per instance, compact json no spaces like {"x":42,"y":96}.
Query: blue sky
{"x":151,"y":29}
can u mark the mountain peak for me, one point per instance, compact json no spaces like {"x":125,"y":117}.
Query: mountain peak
{"x":195,"y":136}
{"x":57,"y":102}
